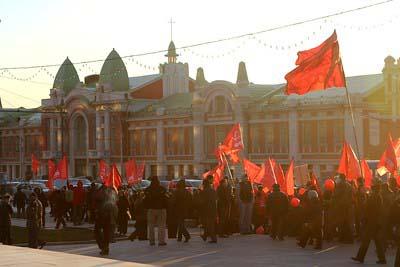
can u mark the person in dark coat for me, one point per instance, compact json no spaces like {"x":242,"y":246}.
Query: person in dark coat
{"x":312,"y":227}
{"x":156,"y":203}
{"x":34,"y":213}
{"x":43,"y":200}
{"x":246,"y":199}
{"x":224,"y":195}
{"x":373,"y":226}
{"x":90,"y":202}
{"x":394,"y":220}
{"x":140,"y":215}
{"x":359,"y":206}
{"x":106,"y":215}
{"x":60,"y":207}
{"x":172,"y":222}
{"x":6,"y":212}
{"x":181,"y":200}
{"x":19,"y":201}
{"x":209,"y":210}
{"x":277,"y":208}
{"x":123,"y":213}
{"x":342,"y":200}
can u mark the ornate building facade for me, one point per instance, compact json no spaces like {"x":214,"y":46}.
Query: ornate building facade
{"x":173,"y":122}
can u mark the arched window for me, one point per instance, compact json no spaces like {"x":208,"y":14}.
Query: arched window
{"x":80,"y":136}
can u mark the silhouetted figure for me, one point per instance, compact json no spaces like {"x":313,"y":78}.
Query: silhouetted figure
{"x":245,"y":205}
{"x":277,"y":208}
{"x":224,"y":195}
{"x":181,"y":199}
{"x":19,"y":201}
{"x":6,"y":212}
{"x":209,"y":210}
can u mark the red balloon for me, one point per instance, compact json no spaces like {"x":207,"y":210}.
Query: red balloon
{"x":295,"y":202}
{"x":329,"y":185}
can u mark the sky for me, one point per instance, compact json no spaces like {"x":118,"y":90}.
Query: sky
{"x":45,"y":32}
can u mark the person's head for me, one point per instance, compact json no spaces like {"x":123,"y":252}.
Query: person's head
{"x":206,"y":183}
{"x":360,"y":181}
{"x":342,"y":177}
{"x":224,"y":182}
{"x":80,"y":184}
{"x":181,"y":184}
{"x":6,"y":198}
{"x":260,"y":188}
{"x":93,"y":185}
{"x":32,"y":197}
{"x":36,"y":190}
{"x":154,"y":181}
{"x":312,"y":195}
{"x":376,"y":186}
{"x":276,"y":188}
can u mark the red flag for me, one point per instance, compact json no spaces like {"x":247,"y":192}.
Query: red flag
{"x":114,"y":179}
{"x":62,"y":169}
{"x":319,"y":68}
{"x":35,"y":164}
{"x":104,"y":170}
{"x":388,"y":161}
{"x":269,"y":175}
{"x":140,"y":171}
{"x":253,"y":171}
{"x":349,"y":165}
{"x":233,"y":143}
{"x":217,"y":173}
{"x":134,"y":172}
{"x":289,"y":179}
{"x":52,"y":170}
{"x":367,"y":173}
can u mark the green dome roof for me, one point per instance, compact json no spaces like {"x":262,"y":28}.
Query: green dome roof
{"x":114,"y":72}
{"x":66,"y":78}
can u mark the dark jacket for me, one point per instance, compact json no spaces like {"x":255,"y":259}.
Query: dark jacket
{"x":209,"y":202}
{"x":182,"y":200}
{"x":34,"y":215}
{"x":6,"y":212}
{"x":373,"y":211}
{"x":245,"y":192}
{"x":224,"y":194}
{"x":19,"y":199}
{"x":155,"y":197}
{"x":277,"y":204}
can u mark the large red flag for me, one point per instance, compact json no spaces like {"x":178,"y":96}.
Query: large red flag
{"x":217,"y":173}
{"x":253,"y":171}
{"x":269,"y":175}
{"x":51,"y":170}
{"x":319,"y":68}
{"x":349,"y":165}
{"x":367,"y":173}
{"x":388,"y":161}
{"x":134,"y":172}
{"x":233,"y":143}
{"x":35,"y":164}
{"x":289,"y":179}
{"x":104,"y":170}
{"x":114,"y":179}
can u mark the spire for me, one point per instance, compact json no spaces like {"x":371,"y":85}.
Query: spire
{"x":242,"y":79}
{"x":172,"y":55}
{"x":200,"y":79}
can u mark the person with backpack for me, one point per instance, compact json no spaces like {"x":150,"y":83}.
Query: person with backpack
{"x":245,"y":206}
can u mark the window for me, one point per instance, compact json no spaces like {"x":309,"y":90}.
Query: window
{"x":269,"y":136}
{"x":284,"y":137}
{"x":306,"y":136}
{"x":323,"y":136}
{"x":220,"y":104}
{"x":338,"y":133}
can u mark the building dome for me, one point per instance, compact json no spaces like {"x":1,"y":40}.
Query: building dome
{"x":172,"y":55}
{"x":66,"y":78}
{"x":114,"y":72}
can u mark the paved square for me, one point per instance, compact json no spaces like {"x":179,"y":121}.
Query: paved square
{"x":253,"y":250}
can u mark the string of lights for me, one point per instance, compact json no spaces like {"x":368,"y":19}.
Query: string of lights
{"x":340,"y":13}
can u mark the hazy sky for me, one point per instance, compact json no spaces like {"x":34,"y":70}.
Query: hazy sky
{"x":46,"y":32}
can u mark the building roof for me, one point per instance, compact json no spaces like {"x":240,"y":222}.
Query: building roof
{"x":66,"y":78}
{"x":135,"y":82}
{"x":114,"y":72}
{"x":10,"y":119}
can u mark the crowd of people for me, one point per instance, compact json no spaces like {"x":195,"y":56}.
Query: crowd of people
{"x":346,"y":213}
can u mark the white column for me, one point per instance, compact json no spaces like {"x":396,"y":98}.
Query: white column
{"x":185,"y":170}
{"x":293,"y":131}
{"x":52,"y":136}
{"x":13,"y":172}
{"x":99,"y":132}
{"x":107,"y":133}
{"x":198,"y":142}
{"x":59,"y":134}
{"x":176,"y":171}
{"x":161,"y":168}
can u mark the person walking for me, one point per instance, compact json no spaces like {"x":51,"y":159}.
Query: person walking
{"x":373,"y":226}
{"x":140,"y":214}
{"x":34,"y":222}
{"x":43,"y":200}
{"x":78,"y":201}
{"x":209,"y":210}
{"x":6,"y":212}
{"x":181,"y":200}
{"x":19,"y":201}
{"x":123,"y":213}
{"x":59,"y":208}
{"x":224,"y":196}
{"x":245,"y":206}
{"x":277,"y":208}
{"x":156,"y":205}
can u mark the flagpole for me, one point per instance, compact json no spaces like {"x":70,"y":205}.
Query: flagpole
{"x":229,"y":169}
{"x":354,"y":129}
